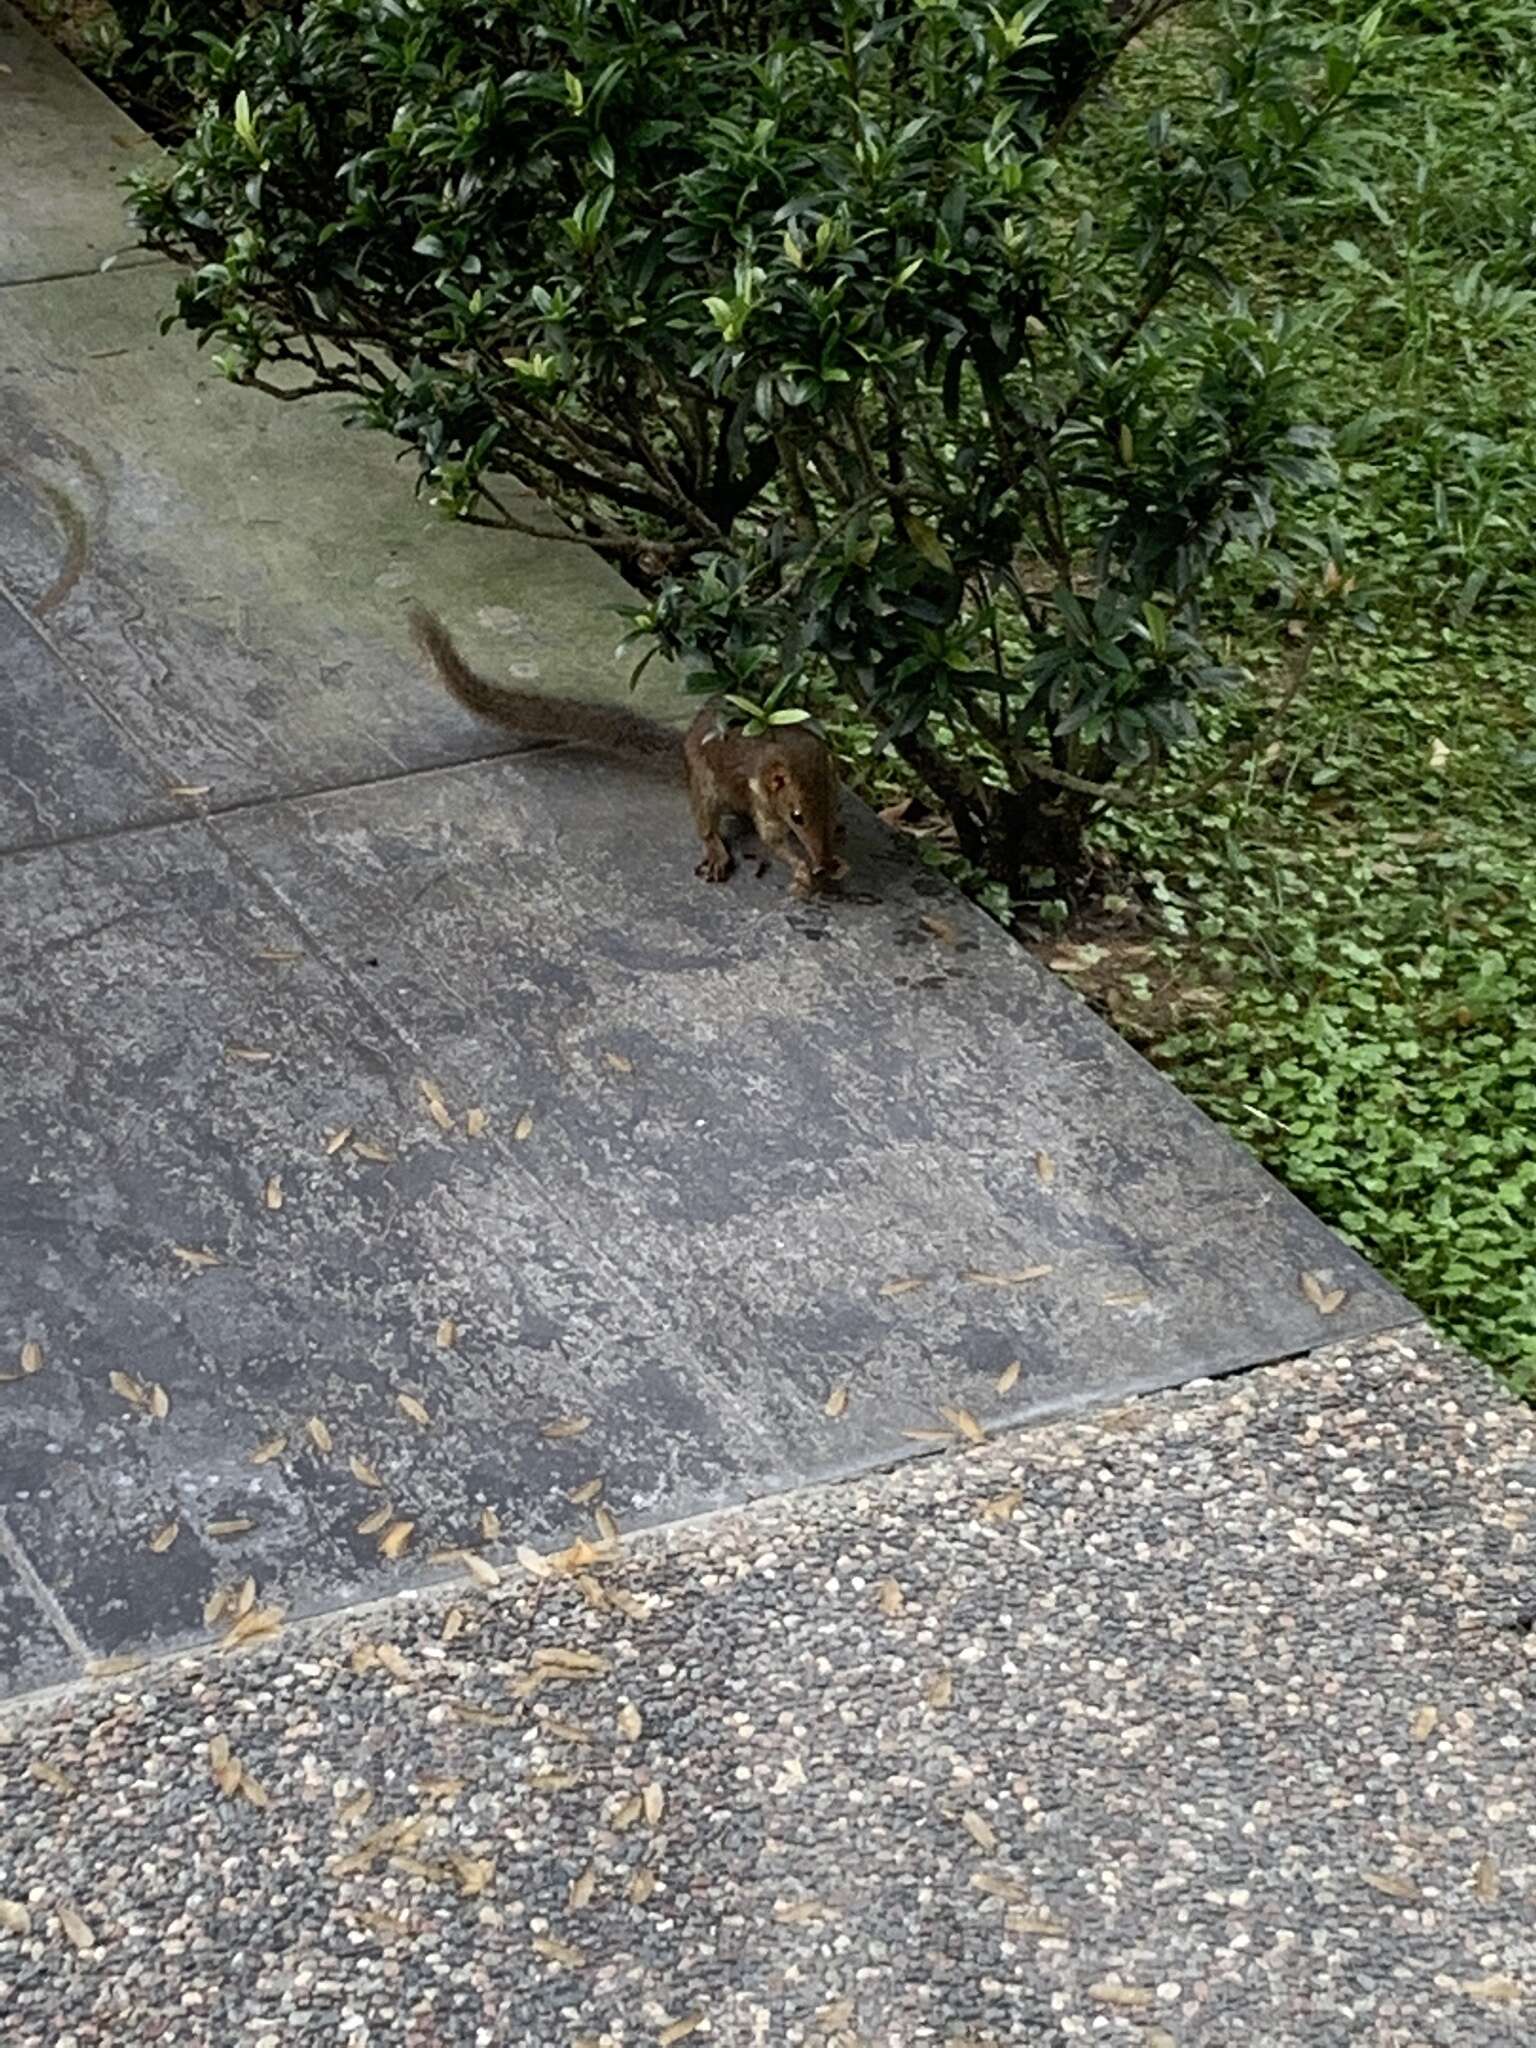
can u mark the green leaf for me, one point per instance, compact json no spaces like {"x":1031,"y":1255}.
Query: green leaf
{"x":245,"y":127}
{"x":927,"y":542}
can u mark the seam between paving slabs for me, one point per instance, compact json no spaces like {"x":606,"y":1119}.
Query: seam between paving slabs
{"x":647,"y":1538}
{"x":14,"y":1552}
{"x":148,"y":259}
{"x":80,"y":674}
{"x":244,"y":806}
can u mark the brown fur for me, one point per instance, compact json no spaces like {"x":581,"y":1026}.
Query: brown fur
{"x":784,"y":781}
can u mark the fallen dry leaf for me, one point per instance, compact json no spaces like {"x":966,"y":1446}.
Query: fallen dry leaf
{"x":619,"y":1063}
{"x":533,"y":1562}
{"x":1424,"y":1723}
{"x":257,"y":1055}
{"x":579,"y":1496}
{"x":1002,"y":1506}
{"x":218,"y":1751}
{"x":1132,"y":1299}
{"x":274,"y":1447}
{"x":490,"y":1526}
{"x":998,"y":1885}
{"x":259,"y":1625}
{"x":1122,"y":1994}
{"x":929,"y":1436}
{"x":1045,"y":1168}
{"x":251,"y":1792}
{"x":278,"y":953}
{"x":966,"y":1423}
{"x":159,"y":1402}
{"x":1392,"y":1883}
{"x":31,"y":1359}
{"x":629,"y":1721}
{"x":413,"y":1410}
{"x":363,"y":1148}
{"x":891,"y":1598}
{"x":1324,"y":1299}
{"x":558,"y":1951}
{"x":909,"y":1286}
{"x":164,"y":1537}
{"x":14,"y":1917}
{"x":50,"y":1774}
{"x":1008,"y":1378}
{"x":939,"y":928}
{"x":1018,"y":1922}
{"x":523,"y":1128}
{"x":679,"y":2030}
{"x":481,"y":1570}
{"x":453,"y":1625}
{"x":473,"y":1872}
{"x":127,"y":1388}
{"x":1497,"y":1990}
{"x":626,"y":1813}
{"x":474,"y":1123}
{"x":75,"y":1928}
{"x":653,"y":1803}
{"x":194,"y":1257}
{"x":1485,"y":1880}
{"x":1017,"y":1278}
{"x":372,"y":1523}
{"x":364,"y":1473}
{"x":334,"y":1140}
{"x":607,"y":1528}
{"x":394,"y":1661}
{"x":566,"y":1426}
{"x":636,"y":1606}
{"x":836,"y":1402}
{"x":319,"y":1434}
{"x":447,"y":1334}
{"x":939,"y":1692}
{"x":980,"y":1830}
{"x":237,"y":1525}
{"x":567,"y":1663}
{"x":641,"y":1885}
{"x":392,"y":1544}
{"x":114,"y":1667}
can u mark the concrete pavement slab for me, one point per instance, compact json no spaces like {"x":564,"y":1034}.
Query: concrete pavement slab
{"x":66,"y":149}
{"x":762,"y":1187}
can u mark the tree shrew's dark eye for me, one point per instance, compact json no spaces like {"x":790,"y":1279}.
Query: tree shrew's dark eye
{"x":797,"y":817}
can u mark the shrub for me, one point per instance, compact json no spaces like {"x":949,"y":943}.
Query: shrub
{"x":829,"y":324}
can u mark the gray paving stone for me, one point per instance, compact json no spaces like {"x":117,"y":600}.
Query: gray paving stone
{"x":741,"y":1154}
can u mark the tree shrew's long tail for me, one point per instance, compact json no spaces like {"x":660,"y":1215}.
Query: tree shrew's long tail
{"x":610,"y":726}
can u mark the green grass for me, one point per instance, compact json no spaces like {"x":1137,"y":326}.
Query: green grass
{"x":1334,"y":950}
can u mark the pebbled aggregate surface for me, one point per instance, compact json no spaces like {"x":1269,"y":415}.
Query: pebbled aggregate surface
{"x":1207,"y":1719}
